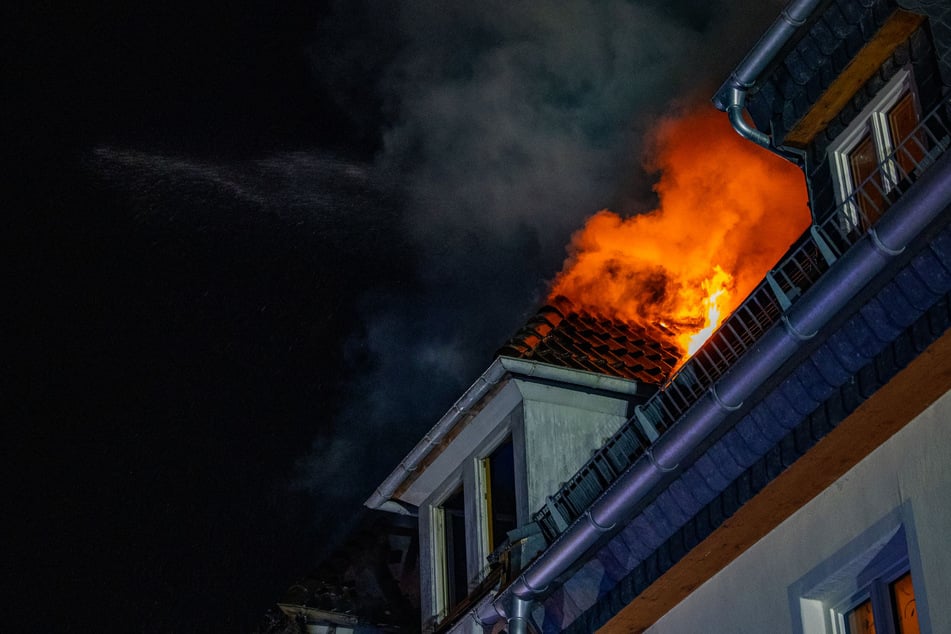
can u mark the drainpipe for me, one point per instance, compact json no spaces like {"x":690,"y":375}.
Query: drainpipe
{"x":745,"y":75}
{"x":832,"y":293}
{"x":519,"y":618}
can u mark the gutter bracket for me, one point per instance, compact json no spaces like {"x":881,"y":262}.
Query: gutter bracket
{"x":794,"y":332}
{"x":726,"y":407}
{"x":881,"y":246}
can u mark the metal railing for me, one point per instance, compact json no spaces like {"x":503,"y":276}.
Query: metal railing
{"x":814,"y":253}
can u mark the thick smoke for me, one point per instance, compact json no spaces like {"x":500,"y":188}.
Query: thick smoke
{"x":508,"y":124}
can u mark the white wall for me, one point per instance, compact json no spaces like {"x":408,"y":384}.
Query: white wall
{"x":562,"y":429}
{"x":907,"y":480}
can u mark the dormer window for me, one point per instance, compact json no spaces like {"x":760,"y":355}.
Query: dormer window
{"x":472,"y":521}
{"x":875,"y":154}
{"x":498,"y":495}
{"x":449,"y":524}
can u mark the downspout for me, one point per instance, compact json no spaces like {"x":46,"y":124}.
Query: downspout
{"x":906,"y":219}
{"x":519,"y":617}
{"x":749,"y":70}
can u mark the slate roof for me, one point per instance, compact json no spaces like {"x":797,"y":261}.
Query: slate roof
{"x":905,"y":316}
{"x":565,"y":335}
{"x":814,"y":61}
{"x":823,"y":50}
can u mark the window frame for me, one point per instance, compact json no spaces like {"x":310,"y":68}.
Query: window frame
{"x":442,"y":599}
{"x":483,"y":493}
{"x":864,"y":569}
{"x":471,"y":479}
{"x":873,"y":120}
{"x":876,"y":590}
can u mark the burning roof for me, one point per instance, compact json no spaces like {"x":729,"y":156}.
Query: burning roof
{"x":566,"y":335}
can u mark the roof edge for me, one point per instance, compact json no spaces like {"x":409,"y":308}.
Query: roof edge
{"x":496,"y":373}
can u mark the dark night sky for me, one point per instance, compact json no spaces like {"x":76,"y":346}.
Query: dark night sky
{"x":257,"y":248}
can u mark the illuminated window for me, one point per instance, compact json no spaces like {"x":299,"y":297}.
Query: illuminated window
{"x":866,"y":589}
{"x":876,"y":152}
{"x":889,"y":608}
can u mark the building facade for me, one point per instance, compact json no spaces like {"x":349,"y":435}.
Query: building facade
{"x":791,"y":476}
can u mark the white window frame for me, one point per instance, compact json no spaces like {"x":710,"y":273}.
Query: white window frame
{"x":439,"y":555}
{"x":475,"y":491}
{"x":874,"y":119}
{"x":482,"y":494}
{"x":824,"y":598}
{"x":876,"y":590}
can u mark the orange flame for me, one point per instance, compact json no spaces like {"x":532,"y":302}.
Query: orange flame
{"x":718,"y":293}
{"x":728,"y":211}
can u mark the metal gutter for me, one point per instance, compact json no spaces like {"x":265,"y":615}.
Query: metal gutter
{"x":731,"y":97}
{"x":496,"y":372}
{"x":833,"y":292}
{"x":580,"y":378}
{"x":381,"y":498}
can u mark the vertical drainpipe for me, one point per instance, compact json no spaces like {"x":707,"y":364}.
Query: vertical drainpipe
{"x":519,"y":617}
{"x":749,"y":70}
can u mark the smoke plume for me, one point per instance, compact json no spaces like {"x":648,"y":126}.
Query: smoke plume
{"x":507,"y":125}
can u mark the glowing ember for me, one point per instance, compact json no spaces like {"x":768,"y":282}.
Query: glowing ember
{"x":728,"y":211}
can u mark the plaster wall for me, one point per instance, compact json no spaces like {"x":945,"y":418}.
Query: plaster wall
{"x":562,"y":429}
{"x":905,"y":481}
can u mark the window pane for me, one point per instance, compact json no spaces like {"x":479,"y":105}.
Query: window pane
{"x":455,"y":543}
{"x":860,"y":620}
{"x":902,"y":119}
{"x":500,"y":472}
{"x":863,"y":164}
{"x":903,"y":598}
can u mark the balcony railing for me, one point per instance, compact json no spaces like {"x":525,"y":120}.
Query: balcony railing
{"x":808,"y":259}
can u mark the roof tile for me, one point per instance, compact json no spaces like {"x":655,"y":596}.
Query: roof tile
{"x":667,"y":505}
{"x":915,"y":289}
{"x":877,"y":319}
{"x":752,"y":435}
{"x":635,"y":545}
{"x":797,"y":396}
{"x":933,"y":273}
{"x":739,"y":450}
{"x":780,"y":409}
{"x":823,"y":35}
{"x":645,"y":533}
{"x":698,"y":486}
{"x":684,"y":497}
{"x":846,"y":352}
{"x":563,"y":335}
{"x":614,"y":569}
{"x":816,"y":386}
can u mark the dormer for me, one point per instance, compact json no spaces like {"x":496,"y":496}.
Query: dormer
{"x":556,"y":392}
{"x":855,"y":94}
